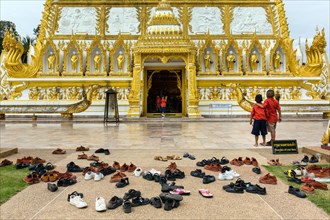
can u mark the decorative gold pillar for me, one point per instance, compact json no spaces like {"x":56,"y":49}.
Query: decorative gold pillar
{"x":193,"y":99}
{"x":134,"y":94}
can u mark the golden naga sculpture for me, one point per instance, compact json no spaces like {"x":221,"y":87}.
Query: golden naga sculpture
{"x":84,"y":104}
{"x":13,"y":61}
{"x":242,"y":101}
{"x":314,"y":54}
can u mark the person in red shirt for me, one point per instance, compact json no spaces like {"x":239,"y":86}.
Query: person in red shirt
{"x":163,"y":105}
{"x":158,"y":101}
{"x":258,"y":114}
{"x":272,"y":108}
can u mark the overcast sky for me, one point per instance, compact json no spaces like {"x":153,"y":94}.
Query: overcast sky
{"x":303,"y":16}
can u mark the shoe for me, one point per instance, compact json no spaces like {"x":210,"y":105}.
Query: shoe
{"x":52,"y":187}
{"x":100,"y":204}
{"x":225,"y":168}
{"x":235,"y":189}
{"x":307,"y":188}
{"x":247,"y":161}
{"x":178,"y":174}
{"x":153,"y":171}
{"x":76,"y":194}
{"x":305,"y":159}
{"x":197,"y":173}
{"x":190,"y":156}
{"x":21,"y":165}
{"x":180,"y":192}
{"x":314,"y":159}
{"x":107,"y":171}
{"x":208,"y":179}
{"x":117,"y":177}
{"x":318,"y":185}
{"x":235,"y":162}
{"x":296,"y":191}
{"x":127,"y":206}
{"x":89,"y":175}
{"x":138,"y":201}
{"x":268,"y":179}
{"x":306,"y":179}
{"x":132,"y":193}
{"x":256,"y":170}
{"x":148,"y":176}
{"x":202,"y":163}
{"x":224,"y":161}
{"x":98,"y":176}
{"x":156,"y":202}
{"x":167,"y":196}
{"x":322,"y":180}
{"x":59,"y":151}
{"x":233,"y":173}
{"x":205,"y":193}
{"x":294,"y":179}
{"x":37,"y":160}
{"x":49,"y":166}
{"x":77,"y":201}
{"x":82,"y":156}
{"x":114,"y":202}
{"x":93,"y":157}
{"x":106,"y":152}
{"x":172,"y":167}
{"x":82,"y":148}
{"x":271,"y":162}
{"x":254,"y":162}
{"x":66,"y":182}
{"x":99,"y":151}
{"x":123,"y":182}
{"x":5,"y":162}
{"x":166,"y":187}
{"x":225,"y":176}
{"x":116,"y":165}
{"x":170,"y":204}
{"x":137,"y":171}
{"x":156,"y":177}
{"x":131,"y":168}
{"x":213,"y":167}
{"x":256,"y":189}
{"x":72,"y":167}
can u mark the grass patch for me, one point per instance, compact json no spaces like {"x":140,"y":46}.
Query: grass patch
{"x":11,"y":182}
{"x":321,"y":198}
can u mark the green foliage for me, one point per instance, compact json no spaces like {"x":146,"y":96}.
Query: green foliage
{"x":11,"y":182}
{"x":4,"y":26}
{"x":320,"y":198}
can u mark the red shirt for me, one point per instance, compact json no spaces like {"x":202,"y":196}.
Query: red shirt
{"x":258,"y":113}
{"x":272,"y":106}
{"x":158,"y":100}
{"x":163,"y":104}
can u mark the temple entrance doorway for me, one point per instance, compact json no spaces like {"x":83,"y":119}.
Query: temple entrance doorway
{"x":164,"y":83}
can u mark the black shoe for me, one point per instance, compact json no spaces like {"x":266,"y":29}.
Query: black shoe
{"x":162,"y":179}
{"x":49,"y":166}
{"x":197,"y":173}
{"x":225,"y":168}
{"x":108,"y":171}
{"x":208,"y":179}
{"x":34,"y":166}
{"x":127,"y":206}
{"x":76,"y":194}
{"x":235,"y":189}
{"x":224,"y":161}
{"x":100,"y":151}
{"x":305,"y":159}
{"x":52,"y":187}
{"x":140,"y":201}
{"x":123,"y":182}
{"x":106,"y":152}
{"x":95,"y":164}
{"x":114,"y":202}
{"x":156,"y":202}
{"x":171,"y":204}
{"x":203,"y":163}
{"x":296,"y":191}
{"x":169,"y":175}
{"x":167,"y":196}
{"x":256,"y":189}
{"x":156,"y":177}
{"x":314,"y":159}
{"x":21,"y":165}
{"x":66,"y":182}
{"x":239,"y":183}
{"x":170,"y":187}
{"x":148,"y":176}
{"x":256,"y":170}
{"x":72,"y":167}
{"x":294,"y":179}
{"x":132,"y":193}
{"x":179,"y":174}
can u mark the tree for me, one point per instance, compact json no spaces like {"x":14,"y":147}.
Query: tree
{"x":26,"y":42}
{"x":4,"y":26}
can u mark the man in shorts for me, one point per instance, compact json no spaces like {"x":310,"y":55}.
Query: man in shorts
{"x":273,"y":112}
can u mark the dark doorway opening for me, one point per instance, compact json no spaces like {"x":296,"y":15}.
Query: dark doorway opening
{"x":165,"y":83}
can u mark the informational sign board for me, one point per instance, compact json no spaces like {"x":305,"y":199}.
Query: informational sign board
{"x":285,"y":147}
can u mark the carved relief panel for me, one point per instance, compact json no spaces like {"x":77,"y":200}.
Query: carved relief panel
{"x":206,"y":20}
{"x":250,"y":20}
{"x":123,"y":20}
{"x":77,"y":20}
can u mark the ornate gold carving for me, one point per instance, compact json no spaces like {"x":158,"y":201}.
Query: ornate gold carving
{"x":214,"y":60}
{"x":16,"y":91}
{"x":256,"y":44}
{"x":282,"y":19}
{"x":34,"y":93}
{"x":270,"y":13}
{"x":242,"y":101}
{"x":84,"y":104}
{"x":185,"y":16}
{"x":102,"y":16}
{"x":226,"y":17}
{"x":102,"y":61}
{"x":69,"y":72}
{"x":126,"y":53}
{"x":225,"y":47}
{"x":45,"y":62}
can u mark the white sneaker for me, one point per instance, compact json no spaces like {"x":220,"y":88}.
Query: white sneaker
{"x":77,"y":201}
{"x":138,"y":171}
{"x":232,"y":173}
{"x":225,"y":176}
{"x":100,"y":204}
{"x":89,"y":175}
{"x":98,"y":176}
{"x":152,"y":171}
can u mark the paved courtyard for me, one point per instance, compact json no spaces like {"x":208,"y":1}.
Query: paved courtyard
{"x":139,"y":142}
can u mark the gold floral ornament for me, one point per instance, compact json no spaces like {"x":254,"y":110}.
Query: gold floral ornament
{"x":13,"y":62}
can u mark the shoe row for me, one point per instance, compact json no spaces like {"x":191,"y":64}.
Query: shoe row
{"x":124,"y":167}
{"x":171,"y":157}
{"x":213,"y":160}
{"x":5,"y":162}
{"x":26,"y":161}
{"x":63,"y":179}
{"x":84,"y":156}
{"x":247,"y":161}
{"x":313,"y":159}
{"x":317,"y":171}
{"x":240,"y":186}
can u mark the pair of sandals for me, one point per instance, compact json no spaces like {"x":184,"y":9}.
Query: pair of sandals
{"x":190,"y":156}
{"x":273,"y":162}
{"x":123,"y":182}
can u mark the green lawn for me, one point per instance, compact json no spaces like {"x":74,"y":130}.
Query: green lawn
{"x":321,"y":198}
{"x":11,"y":182}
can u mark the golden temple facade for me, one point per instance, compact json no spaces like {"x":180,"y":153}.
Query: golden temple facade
{"x":205,"y":56}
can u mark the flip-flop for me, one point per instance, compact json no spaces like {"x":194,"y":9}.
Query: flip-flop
{"x":205,"y":193}
{"x":180,"y":192}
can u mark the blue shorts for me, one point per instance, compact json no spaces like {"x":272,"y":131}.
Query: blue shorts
{"x":259,"y":126}
{"x":163,"y":109}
